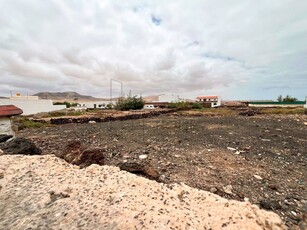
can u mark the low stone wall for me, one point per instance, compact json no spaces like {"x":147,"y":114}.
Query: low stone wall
{"x":82,"y":120}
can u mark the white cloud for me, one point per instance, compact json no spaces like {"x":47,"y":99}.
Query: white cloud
{"x":154,"y":46}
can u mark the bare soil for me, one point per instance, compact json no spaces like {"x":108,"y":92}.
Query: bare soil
{"x":261,"y":158}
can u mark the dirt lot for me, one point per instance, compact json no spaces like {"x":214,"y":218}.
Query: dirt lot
{"x":261,"y":158}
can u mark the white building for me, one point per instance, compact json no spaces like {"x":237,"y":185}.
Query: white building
{"x":31,"y":104}
{"x":95,"y":104}
{"x":210,"y":101}
{"x":170,"y":98}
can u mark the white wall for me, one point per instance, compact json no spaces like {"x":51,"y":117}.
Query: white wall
{"x":169,"y":98}
{"x":6,"y":126}
{"x":29,"y":106}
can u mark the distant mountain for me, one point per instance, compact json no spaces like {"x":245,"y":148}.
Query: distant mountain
{"x":66,"y":96}
{"x":151,"y":98}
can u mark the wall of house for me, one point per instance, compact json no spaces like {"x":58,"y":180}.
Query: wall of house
{"x":169,"y":98}
{"x":30,"y":106}
{"x":96,"y":104}
{"x":6,"y":126}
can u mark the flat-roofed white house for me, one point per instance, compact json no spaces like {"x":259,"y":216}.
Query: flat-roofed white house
{"x":31,"y":104}
{"x":209,"y":100}
{"x":170,"y":98}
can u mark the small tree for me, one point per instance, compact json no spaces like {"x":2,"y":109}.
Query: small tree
{"x":288,"y":98}
{"x":130,"y":103}
{"x":279,"y":99}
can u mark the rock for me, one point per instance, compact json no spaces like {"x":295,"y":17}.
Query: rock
{"x":247,"y":148}
{"x":78,"y":154}
{"x":270,"y":204}
{"x":142,"y":157}
{"x":4,"y":137}
{"x":71,"y":151}
{"x":232,"y":149}
{"x":247,"y":113}
{"x":141,"y":169}
{"x":258,"y":177}
{"x":56,"y":195}
{"x":1,"y":152}
{"x":213,"y":190}
{"x":20,"y":145}
{"x":305,"y":123}
{"x":227,"y":189}
{"x":237,"y":152}
{"x":90,"y":156}
{"x":92,"y":122}
{"x":266,"y":140}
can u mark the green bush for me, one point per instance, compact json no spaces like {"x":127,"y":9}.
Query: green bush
{"x":68,"y":105}
{"x":24,"y":123}
{"x":197,"y":106}
{"x":179,"y":105}
{"x":130,"y":103}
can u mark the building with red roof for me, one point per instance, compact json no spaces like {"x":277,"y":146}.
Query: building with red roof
{"x":209,"y":100}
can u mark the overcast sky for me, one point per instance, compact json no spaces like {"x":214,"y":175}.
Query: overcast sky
{"x":239,"y":49}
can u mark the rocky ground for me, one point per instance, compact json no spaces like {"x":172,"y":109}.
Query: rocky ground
{"x":45,"y":192}
{"x":260,"y":158}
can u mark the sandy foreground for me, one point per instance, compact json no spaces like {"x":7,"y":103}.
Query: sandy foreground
{"x":45,"y":192}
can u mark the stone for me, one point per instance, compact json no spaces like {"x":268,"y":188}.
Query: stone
{"x":228,"y":189}
{"x":232,"y":149}
{"x":5,"y":137}
{"x":92,"y":122}
{"x":141,"y":169}
{"x":143,"y":156}
{"x":20,"y":145}
{"x":258,"y":177}
{"x":90,"y":156}
{"x":213,"y":190}
{"x":247,"y":113}
{"x":270,"y":204}
{"x":78,"y":154}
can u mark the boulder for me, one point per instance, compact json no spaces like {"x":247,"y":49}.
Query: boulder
{"x":90,"y":156}
{"x":141,"y":169}
{"x":5,"y":137}
{"x":20,"y":145}
{"x":78,"y":154}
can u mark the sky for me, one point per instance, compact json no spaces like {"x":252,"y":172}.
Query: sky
{"x":238,"y":49}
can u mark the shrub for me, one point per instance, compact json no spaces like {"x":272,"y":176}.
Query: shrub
{"x":197,"y":106}
{"x":130,"y":103}
{"x":179,"y":105}
{"x":24,"y":123}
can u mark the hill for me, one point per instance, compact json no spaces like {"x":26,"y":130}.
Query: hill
{"x":66,"y":96}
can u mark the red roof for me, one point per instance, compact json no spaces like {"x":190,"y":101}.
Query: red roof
{"x":207,"y":97}
{"x":9,"y":110}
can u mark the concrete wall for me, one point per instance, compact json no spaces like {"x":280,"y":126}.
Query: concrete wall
{"x":6,"y":126}
{"x":274,"y":105}
{"x":30,"y":106}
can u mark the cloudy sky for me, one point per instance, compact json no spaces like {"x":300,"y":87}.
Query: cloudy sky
{"x":239,"y":49}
